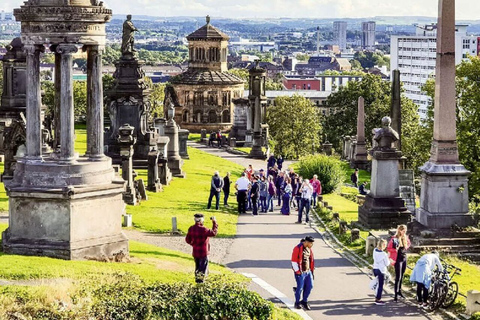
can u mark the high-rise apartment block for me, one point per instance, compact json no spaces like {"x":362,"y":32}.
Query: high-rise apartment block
{"x":340,"y":34}
{"x":368,"y":35}
{"x":415,"y":57}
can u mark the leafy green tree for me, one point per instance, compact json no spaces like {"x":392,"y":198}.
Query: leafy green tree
{"x":157,"y":95}
{"x":79,"y":98}
{"x":242,"y":74}
{"x":369,"y":59}
{"x":111,"y":54}
{"x":342,"y":117}
{"x":294,"y":126}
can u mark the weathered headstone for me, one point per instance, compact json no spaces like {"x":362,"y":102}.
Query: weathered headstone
{"x":182,"y":141}
{"x":383,"y":207}
{"x":153,"y":183}
{"x":78,"y":190}
{"x":126,"y":140}
{"x":444,"y":195}
{"x":360,"y":159}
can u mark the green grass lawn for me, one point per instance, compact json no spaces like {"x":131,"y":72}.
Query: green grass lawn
{"x":247,"y":149}
{"x":195,"y":137}
{"x":347,"y":209}
{"x":363,"y":175}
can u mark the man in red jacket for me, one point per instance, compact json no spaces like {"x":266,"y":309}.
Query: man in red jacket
{"x":197,"y":237}
{"x":303,"y":265}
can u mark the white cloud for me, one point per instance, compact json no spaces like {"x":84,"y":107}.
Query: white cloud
{"x":466,"y":9}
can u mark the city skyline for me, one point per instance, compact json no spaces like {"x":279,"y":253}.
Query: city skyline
{"x":335,"y":9}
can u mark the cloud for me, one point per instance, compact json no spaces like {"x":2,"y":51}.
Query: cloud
{"x":466,"y":9}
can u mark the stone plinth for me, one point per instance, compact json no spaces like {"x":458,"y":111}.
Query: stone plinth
{"x":360,"y":157}
{"x":327,"y":148}
{"x":444,"y":196}
{"x":239,"y":127}
{"x":182,"y":141}
{"x":175,"y":162}
{"x":54,"y":218}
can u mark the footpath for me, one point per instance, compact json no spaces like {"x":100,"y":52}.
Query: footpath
{"x":262,"y":251}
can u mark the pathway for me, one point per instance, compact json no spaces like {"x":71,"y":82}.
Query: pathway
{"x":263,"y":248}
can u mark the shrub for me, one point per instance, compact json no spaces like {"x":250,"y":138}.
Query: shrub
{"x":328,"y":169}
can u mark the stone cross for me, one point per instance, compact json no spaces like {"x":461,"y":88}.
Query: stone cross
{"x":444,"y":145}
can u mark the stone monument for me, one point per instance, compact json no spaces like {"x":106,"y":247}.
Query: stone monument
{"x":444,"y":195}
{"x":128,"y":102}
{"x":58,"y":202}
{"x":258,"y":102}
{"x":361,"y":157}
{"x":383,"y":207}
{"x":175,"y":162}
{"x":239,"y":128}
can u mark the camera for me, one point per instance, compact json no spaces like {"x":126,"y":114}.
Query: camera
{"x":212,"y":218}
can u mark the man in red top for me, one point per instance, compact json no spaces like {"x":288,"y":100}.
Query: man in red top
{"x":197,"y":237}
{"x":303,"y":265}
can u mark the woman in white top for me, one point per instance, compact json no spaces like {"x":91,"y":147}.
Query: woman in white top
{"x":380,"y":264}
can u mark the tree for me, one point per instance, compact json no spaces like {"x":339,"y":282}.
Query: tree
{"x":111,"y":54}
{"x":242,"y":74}
{"x":294,"y":126}
{"x":79,"y":98}
{"x":369,"y":59}
{"x":157,"y":95}
{"x":342,"y":118}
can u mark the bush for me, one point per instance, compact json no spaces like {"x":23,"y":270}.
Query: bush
{"x":328,"y":169}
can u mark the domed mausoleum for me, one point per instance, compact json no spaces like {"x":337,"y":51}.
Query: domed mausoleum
{"x":206,"y":90}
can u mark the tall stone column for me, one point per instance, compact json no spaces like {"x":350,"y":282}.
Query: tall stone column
{"x":67,"y":134}
{"x":444,"y":198}
{"x":94,"y":103}
{"x":396,"y":108}
{"x":361,"y":160}
{"x":34,"y":102}
{"x":57,"y":81}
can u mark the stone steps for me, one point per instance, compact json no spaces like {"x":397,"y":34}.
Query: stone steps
{"x":459,"y":249}
{"x":445,"y":241}
{"x":471,"y":256}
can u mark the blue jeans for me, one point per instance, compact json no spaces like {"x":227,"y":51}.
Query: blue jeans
{"x":305,"y":284}
{"x":381,"y":279}
{"x":270,"y":202}
{"x":249,"y":200}
{"x":304,"y":204}
{"x":217,"y":199}
{"x":263,"y":204}
{"x":314,"y":199}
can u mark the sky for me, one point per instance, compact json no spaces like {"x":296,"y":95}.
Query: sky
{"x":465,"y":9}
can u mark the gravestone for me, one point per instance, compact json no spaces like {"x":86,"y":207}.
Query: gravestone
{"x":64,"y":205}
{"x":126,"y":140}
{"x":383,"y":207}
{"x":239,"y":128}
{"x":182,"y":141}
{"x":175,"y":162}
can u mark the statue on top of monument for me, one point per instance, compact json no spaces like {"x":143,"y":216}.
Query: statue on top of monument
{"x":386,"y":136}
{"x":128,"y":36}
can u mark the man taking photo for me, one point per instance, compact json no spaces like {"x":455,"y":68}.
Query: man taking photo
{"x":198,"y":236}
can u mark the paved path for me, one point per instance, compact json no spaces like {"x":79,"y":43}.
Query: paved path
{"x":263,"y":247}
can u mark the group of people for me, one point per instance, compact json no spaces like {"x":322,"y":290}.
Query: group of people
{"x":396,"y":255}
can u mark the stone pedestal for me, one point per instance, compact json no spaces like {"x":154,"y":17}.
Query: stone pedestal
{"x":175,"y":162}
{"x":444,"y":196}
{"x":153,"y":184}
{"x":248,"y":139}
{"x":383,"y":207}
{"x":164,"y":173}
{"x":182,"y":141}
{"x":407,"y":188}
{"x":327,"y":148}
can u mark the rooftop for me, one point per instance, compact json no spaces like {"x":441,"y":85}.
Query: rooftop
{"x":195,"y":76}
{"x":208,"y":32}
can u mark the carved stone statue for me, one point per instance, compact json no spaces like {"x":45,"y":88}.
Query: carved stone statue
{"x":386,"y":136}
{"x":128,"y":36}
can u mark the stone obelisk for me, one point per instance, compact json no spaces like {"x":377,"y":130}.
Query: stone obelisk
{"x":396,"y":107}
{"x":444,"y":198}
{"x":361,"y":160}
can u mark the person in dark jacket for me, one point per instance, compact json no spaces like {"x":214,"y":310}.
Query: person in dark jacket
{"x":271,"y":161}
{"x":226,"y":189}
{"x":280,"y":185}
{"x":361,"y":188}
{"x":354,"y":178}
{"x":254,"y":194}
{"x":271,"y":193}
{"x":197,"y":237}
{"x":280,"y":162}
{"x":215,"y":189}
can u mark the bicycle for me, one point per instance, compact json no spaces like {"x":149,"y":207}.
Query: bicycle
{"x":443,"y":291}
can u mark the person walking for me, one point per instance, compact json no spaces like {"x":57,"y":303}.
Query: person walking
{"x":354,"y":178}
{"x":295,"y":189}
{"x":242,"y":185}
{"x":254,"y":193}
{"x":422,"y":275}
{"x":286,"y":197}
{"x":198,"y":237}
{"x":303,"y":265}
{"x":380,"y":264}
{"x":226,"y":189}
{"x":263,"y":194}
{"x":307,"y":191}
{"x":317,"y":189}
{"x":215,"y":189}
{"x":271,"y":193}
{"x":397,"y":250}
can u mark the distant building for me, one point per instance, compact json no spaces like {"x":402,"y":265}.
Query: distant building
{"x":368,"y":35}
{"x":206,"y":90}
{"x":246,"y":45}
{"x":340,"y":34}
{"x":323,"y":83}
{"x":415,"y":57}
{"x":316,"y":64}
